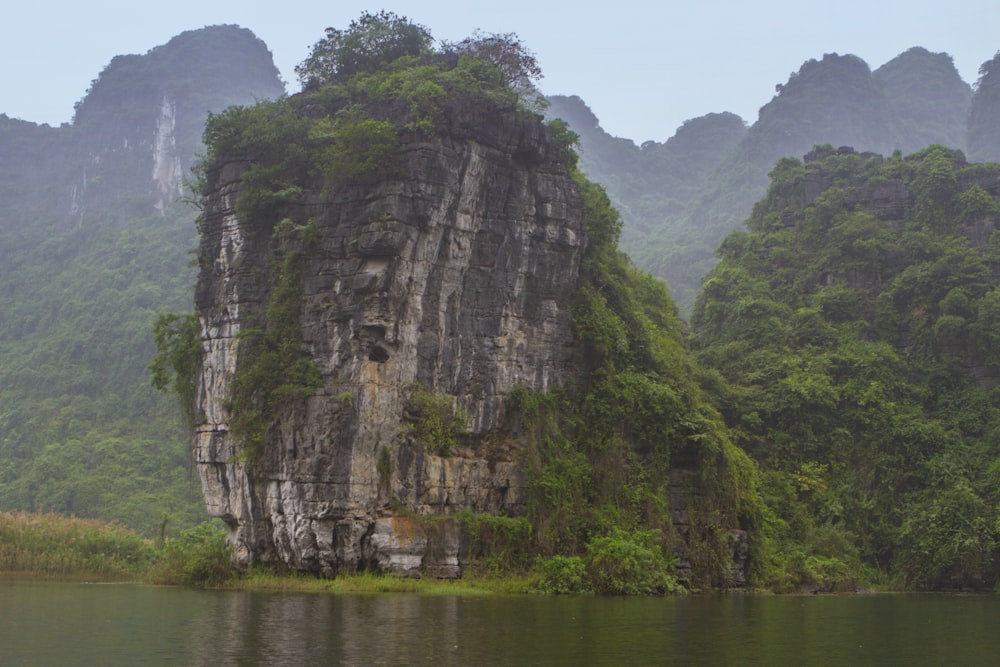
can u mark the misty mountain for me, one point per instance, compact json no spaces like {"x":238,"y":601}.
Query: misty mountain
{"x":835,"y":101}
{"x":135,"y":134}
{"x":914,"y":100}
{"x":643,"y":181}
{"x":928,"y":102}
{"x":93,"y":243}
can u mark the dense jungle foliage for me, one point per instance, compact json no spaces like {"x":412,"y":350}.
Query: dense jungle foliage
{"x":83,"y":432}
{"x":855,"y":324}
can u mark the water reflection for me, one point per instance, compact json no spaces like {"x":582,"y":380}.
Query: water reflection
{"x":747,"y":630}
{"x":67,"y":624}
{"x":349,"y":630}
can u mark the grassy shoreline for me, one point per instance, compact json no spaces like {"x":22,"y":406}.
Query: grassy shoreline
{"x":363,"y":582}
{"x":56,"y":547}
{"x":52,"y":545}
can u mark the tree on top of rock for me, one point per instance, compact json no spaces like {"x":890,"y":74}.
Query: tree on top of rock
{"x":369,"y":43}
{"x":515,"y":63}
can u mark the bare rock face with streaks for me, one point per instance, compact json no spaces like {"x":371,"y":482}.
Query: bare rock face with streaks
{"x":453,"y":280}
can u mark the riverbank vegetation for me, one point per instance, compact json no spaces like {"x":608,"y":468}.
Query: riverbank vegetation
{"x":53,"y":545}
{"x":70,"y":548}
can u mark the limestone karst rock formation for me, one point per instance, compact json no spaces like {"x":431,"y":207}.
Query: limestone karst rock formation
{"x":454,"y":276}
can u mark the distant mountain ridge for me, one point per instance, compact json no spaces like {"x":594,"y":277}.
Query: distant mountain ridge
{"x":135,"y":134}
{"x":915,"y":99}
{"x":984,"y":116}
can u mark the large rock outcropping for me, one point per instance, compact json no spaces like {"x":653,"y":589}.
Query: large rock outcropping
{"x":452,"y":279}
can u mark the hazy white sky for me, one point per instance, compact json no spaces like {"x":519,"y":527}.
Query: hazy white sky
{"x":644,"y":67}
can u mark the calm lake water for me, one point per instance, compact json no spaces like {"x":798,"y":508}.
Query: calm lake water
{"x":45,"y":623}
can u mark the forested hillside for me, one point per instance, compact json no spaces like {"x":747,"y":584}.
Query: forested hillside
{"x":94,"y":242}
{"x":855,"y":324}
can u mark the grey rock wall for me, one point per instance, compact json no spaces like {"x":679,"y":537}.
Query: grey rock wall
{"x":456,"y":276}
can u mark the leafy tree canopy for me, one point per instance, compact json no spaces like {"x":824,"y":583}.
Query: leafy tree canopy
{"x":369,"y":43}
{"x":517,"y":65}
{"x":375,"y":41}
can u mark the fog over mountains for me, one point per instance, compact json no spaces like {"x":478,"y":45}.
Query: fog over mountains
{"x":681,"y":197}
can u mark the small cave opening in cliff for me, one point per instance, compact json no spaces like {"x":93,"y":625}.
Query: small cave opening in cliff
{"x":373,"y":335}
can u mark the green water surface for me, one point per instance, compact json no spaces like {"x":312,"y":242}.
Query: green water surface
{"x":43,"y":623}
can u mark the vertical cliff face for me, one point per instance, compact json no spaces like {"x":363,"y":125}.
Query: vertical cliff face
{"x":983,"y":129}
{"x":446,"y":284}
